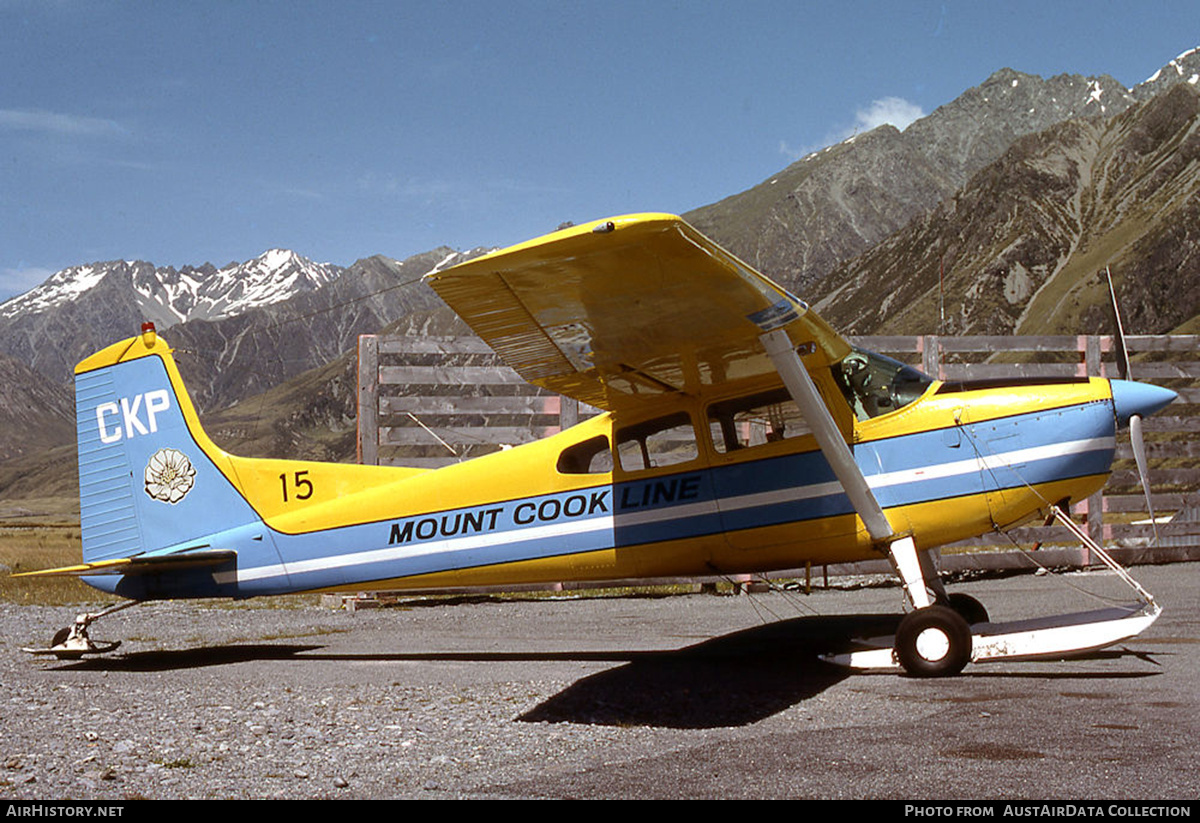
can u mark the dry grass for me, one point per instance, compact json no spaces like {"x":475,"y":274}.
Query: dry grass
{"x":30,"y":542}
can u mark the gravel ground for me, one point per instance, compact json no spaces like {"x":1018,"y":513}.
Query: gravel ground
{"x":690,"y":696}
{"x":208,"y":701}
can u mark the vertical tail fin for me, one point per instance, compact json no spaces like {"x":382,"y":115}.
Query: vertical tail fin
{"x":149,"y":477}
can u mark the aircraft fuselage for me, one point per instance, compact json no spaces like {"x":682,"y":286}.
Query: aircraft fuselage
{"x":952,"y":464}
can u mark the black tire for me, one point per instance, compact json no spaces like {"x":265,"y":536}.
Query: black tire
{"x":59,"y":637}
{"x":971,"y":609}
{"x":933,"y":642}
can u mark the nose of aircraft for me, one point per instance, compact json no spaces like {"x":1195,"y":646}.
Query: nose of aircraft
{"x":1130,"y":398}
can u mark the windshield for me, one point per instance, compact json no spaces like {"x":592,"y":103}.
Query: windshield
{"x":875,"y":385}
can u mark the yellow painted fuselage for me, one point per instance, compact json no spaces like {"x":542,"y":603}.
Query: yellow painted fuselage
{"x":591,"y":503}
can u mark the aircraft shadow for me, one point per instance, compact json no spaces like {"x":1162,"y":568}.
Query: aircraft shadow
{"x":732,"y":680}
{"x":740,"y":678}
{"x":158,"y":661}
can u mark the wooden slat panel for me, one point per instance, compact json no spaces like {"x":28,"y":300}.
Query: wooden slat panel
{"x":1165,"y":371}
{"x":411,"y":344}
{"x":1161,"y":450}
{"x":976,"y":371}
{"x":1175,"y":477}
{"x":424,"y":406}
{"x":418,"y":462}
{"x":888,"y":344}
{"x":1137,"y":502}
{"x":1163,"y":342}
{"x":983,"y":343}
{"x":1128,"y":530}
{"x":1025,"y":537}
{"x":415,"y":435}
{"x":368,"y":393}
{"x":1158,"y":423}
{"x":449,"y":375}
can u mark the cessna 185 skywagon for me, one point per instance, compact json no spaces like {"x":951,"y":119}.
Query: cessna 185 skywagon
{"x":742,"y":434}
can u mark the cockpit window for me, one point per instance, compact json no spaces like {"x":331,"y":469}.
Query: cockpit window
{"x":875,"y":385}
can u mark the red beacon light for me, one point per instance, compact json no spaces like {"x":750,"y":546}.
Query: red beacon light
{"x":149,"y":335}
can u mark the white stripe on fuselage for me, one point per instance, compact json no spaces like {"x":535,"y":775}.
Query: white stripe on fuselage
{"x":937,"y":471}
{"x":670,"y":513}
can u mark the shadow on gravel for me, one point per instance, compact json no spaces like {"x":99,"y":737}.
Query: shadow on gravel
{"x":189,"y":658}
{"x":732,"y":680}
{"x":741,"y":678}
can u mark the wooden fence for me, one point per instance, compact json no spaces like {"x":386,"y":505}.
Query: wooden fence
{"x":432,"y":401}
{"x":428,"y":402}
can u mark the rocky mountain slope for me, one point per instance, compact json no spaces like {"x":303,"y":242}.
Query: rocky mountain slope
{"x":800,"y":224}
{"x":312,"y":416}
{"x":167,"y":296}
{"x":243,"y":355}
{"x":284,"y":316}
{"x":223,"y":361}
{"x":838,"y":202}
{"x":1020,"y":245}
{"x":79,"y":306}
{"x":37,"y":413}
{"x":1183,"y":69}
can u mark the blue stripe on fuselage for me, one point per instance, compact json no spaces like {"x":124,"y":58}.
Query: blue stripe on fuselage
{"x":903,"y":470}
{"x":925,"y":466}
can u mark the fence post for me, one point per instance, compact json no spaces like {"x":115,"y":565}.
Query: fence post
{"x":1092,"y":355}
{"x":931,"y":355}
{"x":368,"y":399}
{"x":1095,"y":518}
{"x":568,"y":412}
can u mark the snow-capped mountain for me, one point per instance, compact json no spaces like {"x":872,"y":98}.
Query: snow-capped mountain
{"x":169,"y":296}
{"x":1183,"y":69}
{"x":244,"y":326}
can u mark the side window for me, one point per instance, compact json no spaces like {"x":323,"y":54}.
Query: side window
{"x":589,"y":457}
{"x":664,"y":441}
{"x":745,"y":422}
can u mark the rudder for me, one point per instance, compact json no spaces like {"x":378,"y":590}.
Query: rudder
{"x":149,"y":478}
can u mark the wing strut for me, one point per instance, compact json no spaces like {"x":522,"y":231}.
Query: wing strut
{"x":901,"y":550}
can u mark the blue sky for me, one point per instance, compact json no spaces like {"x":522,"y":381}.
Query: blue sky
{"x":181,"y":133}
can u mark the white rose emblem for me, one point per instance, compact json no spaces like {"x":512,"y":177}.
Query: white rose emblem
{"x":169,"y":475}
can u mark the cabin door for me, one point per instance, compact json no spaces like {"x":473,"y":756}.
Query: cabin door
{"x":773,"y":485}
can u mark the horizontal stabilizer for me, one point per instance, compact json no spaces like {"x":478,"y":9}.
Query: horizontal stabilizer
{"x":155,"y":564}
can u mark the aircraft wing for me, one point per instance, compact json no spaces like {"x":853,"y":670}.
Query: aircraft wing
{"x":641,"y":305}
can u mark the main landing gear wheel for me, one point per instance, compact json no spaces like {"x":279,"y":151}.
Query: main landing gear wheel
{"x":933,"y":642}
{"x":971,"y":609}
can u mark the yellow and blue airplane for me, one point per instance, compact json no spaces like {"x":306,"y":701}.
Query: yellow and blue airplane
{"x":742,"y":434}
